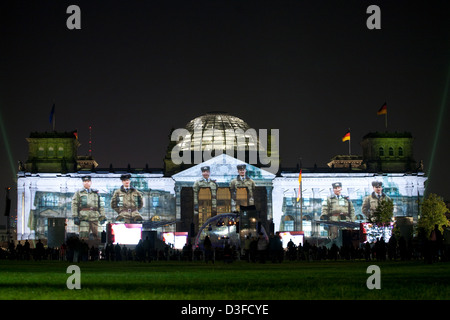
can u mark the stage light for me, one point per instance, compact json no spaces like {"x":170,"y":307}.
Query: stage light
{"x":126,"y":233}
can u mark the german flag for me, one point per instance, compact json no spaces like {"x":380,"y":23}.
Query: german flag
{"x":346,"y":137}
{"x":383,"y":109}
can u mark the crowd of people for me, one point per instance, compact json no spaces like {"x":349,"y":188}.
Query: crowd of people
{"x":429,"y":249}
{"x":75,"y":249}
{"x":433,"y":248}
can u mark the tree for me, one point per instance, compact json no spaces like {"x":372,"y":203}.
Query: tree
{"x":383,"y":213}
{"x":433,"y":210}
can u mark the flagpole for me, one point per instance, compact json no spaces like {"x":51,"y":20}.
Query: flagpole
{"x":349,"y":144}
{"x":301,"y":206}
{"x":52,"y":119}
{"x":54,"y":116}
{"x":300,"y":196}
{"x":385,"y":120}
{"x":383,"y":110}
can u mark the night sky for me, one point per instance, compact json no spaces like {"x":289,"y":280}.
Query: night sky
{"x":312,"y":69}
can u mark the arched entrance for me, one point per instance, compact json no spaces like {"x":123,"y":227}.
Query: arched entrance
{"x":224,"y":228}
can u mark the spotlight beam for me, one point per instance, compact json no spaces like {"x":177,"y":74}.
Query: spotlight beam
{"x":8,"y":148}
{"x":438,"y":129}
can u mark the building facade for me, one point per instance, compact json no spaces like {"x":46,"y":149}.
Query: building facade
{"x":45,"y":192}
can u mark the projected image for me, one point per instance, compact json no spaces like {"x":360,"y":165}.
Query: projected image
{"x":371,"y":202}
{"x":86,"y":203}
{"x":242,"y":182}
{"x":88,"y":209}
{"x":338,"y":207}
{"x":374,"y":233}
{"x":325,"y":209}
{"x":124,"y":233}
{"x":127,"y":201}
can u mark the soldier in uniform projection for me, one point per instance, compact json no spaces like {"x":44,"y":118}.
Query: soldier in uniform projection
{"x":88,"y":209}
{"x":206,"y":182}
{"x":370,"y":203}
{"x":127,"y":201}
{"x":337,"y":208}
{"x":242,"y":181}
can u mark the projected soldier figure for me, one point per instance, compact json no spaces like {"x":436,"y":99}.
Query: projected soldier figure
{"x":371,"y":202}
{"x":242,"y":181}
{"x":204,"y":199}
{"x":87,"y":209}
{"x":337,"y":208}
{"x":127,"y":201}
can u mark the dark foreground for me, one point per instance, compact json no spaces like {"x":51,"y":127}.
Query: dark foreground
{"x":239,"y":280}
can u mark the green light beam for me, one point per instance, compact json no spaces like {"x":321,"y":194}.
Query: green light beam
{"x":8,"y":148}
{"x":438,"y":128}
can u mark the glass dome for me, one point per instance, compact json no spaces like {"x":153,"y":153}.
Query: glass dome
{"x":219,"y":131}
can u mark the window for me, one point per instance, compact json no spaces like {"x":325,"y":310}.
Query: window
{"x":241,"y":194}
{"x":49,"y":200}
{"x":400,"y":151}
{"x":391,"y":151}
{"x":60,"y":152}
{"x":381,"y":152}
{"x":223,"y":200}
{"x":288,"y":223}
{"x":241,"y":197}
{"x":155,"y":201}
{"x":289,"y":201}
{"x":51,"y":152}
{"x":41,"y":152}
{"x":204,"y":205}
{"x":204,"y":194}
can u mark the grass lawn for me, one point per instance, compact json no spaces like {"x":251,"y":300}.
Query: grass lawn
{"x":174,"y":280}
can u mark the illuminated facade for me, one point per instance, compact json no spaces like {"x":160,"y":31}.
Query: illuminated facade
{"x":45,"y":195}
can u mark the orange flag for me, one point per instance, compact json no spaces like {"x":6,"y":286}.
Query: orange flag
{"x":346,"y":137}
{"x":299,"y":185}
{"x":383,"y":109}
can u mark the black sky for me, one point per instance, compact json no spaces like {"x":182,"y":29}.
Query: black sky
{"x":312,"y":69}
